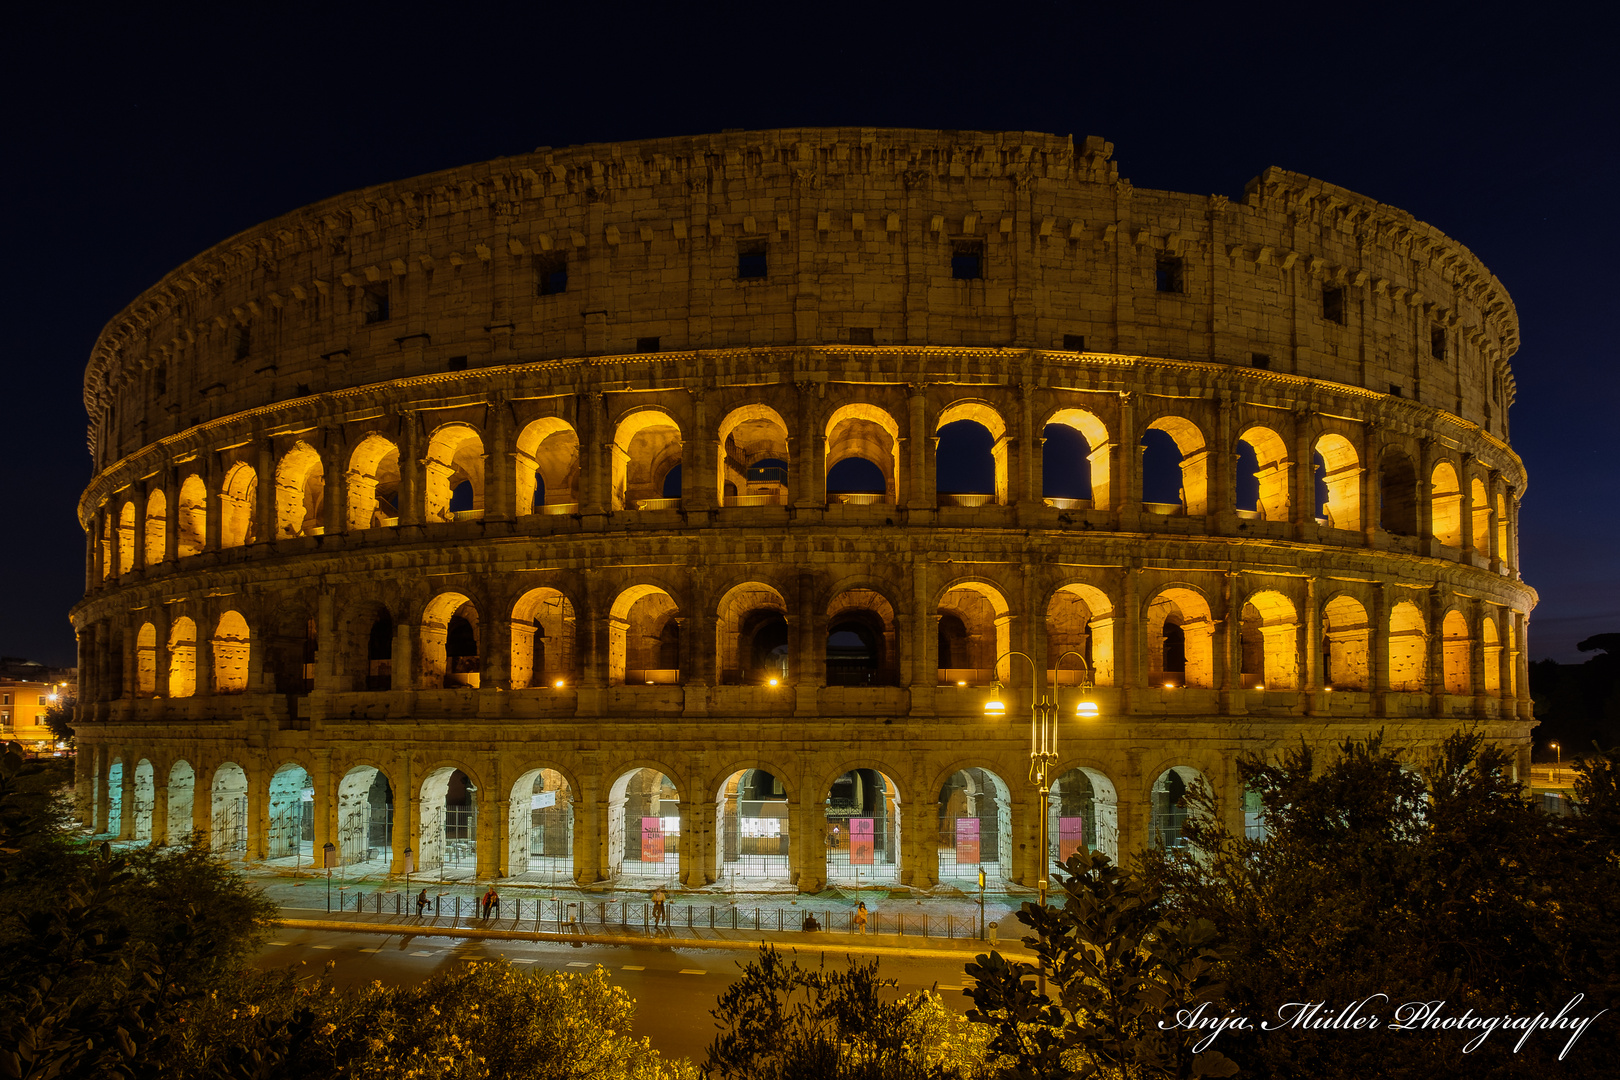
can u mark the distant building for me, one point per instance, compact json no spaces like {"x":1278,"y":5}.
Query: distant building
{"x":23,"y":704}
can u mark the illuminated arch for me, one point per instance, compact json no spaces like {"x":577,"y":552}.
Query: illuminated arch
{"x":1099,"y":449}
{"x":182,"y":658}
{"x":237,"y":500}
{"x":455,"y":456}
{"x":1190,"y":442}
{"x":193,"y":515}
{"x":300,"y":492}
{"x":372,"y":481}
{"x":750,"y":434}
{"x":543,"y":639}
{"x":547,"y":458}
{"x":450,"y":627}
{"x":1269,"y":638}
{"x":751,"y":634}
{"x":1408,"y":648}
{"x":1080,"y":618}
{"x":1446,"y":505}
{"x":973,"y":632}
{"x":867,"y":432}
{"x":647,"y":447}
{"x":1346,"y":643}
{"x":230,"y":648}
{"x":157,"y":530}
{"x":1271,"y":471}
{"x":1178,"y":618}
{"x":644,"y":637}
{"x":1341,"y":473}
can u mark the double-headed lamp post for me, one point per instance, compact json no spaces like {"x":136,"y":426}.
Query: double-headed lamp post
{"x":1043,"y":730}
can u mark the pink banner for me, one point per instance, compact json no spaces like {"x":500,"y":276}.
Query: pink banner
{"x":860,"y":841}
{"x":967,"y":840}
{"x":1071,"y":837}
{"x":652,"y":839}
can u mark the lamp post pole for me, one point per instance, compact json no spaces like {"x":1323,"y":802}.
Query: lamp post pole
{"x":1043,"y":750}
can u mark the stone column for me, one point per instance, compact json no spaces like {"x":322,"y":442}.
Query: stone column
{"x":1493,"y":488}
{"x":137,"y":536}
{"x":495,"y":659}
{"x":1311,"y":648}
{"x":160,"y":811}
{"x":161,"y":658}
{"x":1135,"y":804}
{"x":500,"y":482}
{"x":1511,"y":556}
{"x":264,"y":494}
{"x":327,"y":675}
{"x":1477,"y":613}
{"x":811,"y":653}
{"x":696,"y":863}
{"x":1521,"y":662}
{"x":115,"y":540}
{"x":126,"y":802}
{"x":410,"y":469}
{"x":1028,"y":490}
{"x":407,"y":817}
{"x":1378,"y":650}
{"x":1427,"y":543}
{"x":326,"y":803}
{"x":1126,"y":474}
{"x":213,"y":505}
{"x":258,"y":811}
{"x":492,"y":814}
{"x":808,"y":843}
{"x":1369,"y":489}
{"x":334,"y":475}
{"x":596,"y":444}
{"x":171,"y":514}
{"x":1128,"y":673}
{"x":919,"y":844}
{"x":1229,"y":647}
{"x":923,"y":678}
{"x":1436,"y":660}
{"x":590,"y":830}
{"x":1466,"y":509}
{"x":1223,"y":477}
{"x":916,"y":493}
{"x":1303,"y":496}
{"x":1505,"y":657}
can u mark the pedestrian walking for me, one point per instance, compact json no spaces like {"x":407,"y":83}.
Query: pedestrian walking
{"x":860,"y":917}
{"x":659,"y":915}
{"x":421,"y":902}
{"x":494,"y":903}
{"x":488,"y":899}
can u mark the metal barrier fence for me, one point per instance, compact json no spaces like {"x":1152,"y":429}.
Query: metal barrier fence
{"x":577,"y":916}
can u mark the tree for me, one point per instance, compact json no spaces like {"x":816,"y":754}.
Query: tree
{"x":1122,"y":970}
{"x":59,"y":718}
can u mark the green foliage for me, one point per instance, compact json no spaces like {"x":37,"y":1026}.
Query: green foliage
{"x":1439,"y":884}
{"x":1117,"y":967}
{"x":59,"y":718}
{"x":783,"y":1022}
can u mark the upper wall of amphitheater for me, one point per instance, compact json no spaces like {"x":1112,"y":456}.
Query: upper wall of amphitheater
{"x":858,"y":229}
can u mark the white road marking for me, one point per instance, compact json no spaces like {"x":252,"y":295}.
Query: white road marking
{"x":281,"y":943}
{"x":372,"y":949}
{"x":633,"y":967}
{"x":578,"y":963}
{"x":692,"y":971}
{"x":421,"y":954}
{"x":321,"y":946}
{"x":520,"y":960}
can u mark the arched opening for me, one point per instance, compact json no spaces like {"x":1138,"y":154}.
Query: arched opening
{"x":230,"y":648}
{"x":1457,"y":651}
{"x":1446,"y":505}
{"x":126,"y":538}
{"x":145,"y":800}
{"x":1254,"y":816}
{"x":751,"y":635}
{"x":1175,"y":468}
{"x":448,"y":838}
{"x":644,"y":826}
{"x":453,"y":474}
{"x":1074,"y":461}
{"x":157,"y":531}
{"x":1479,"y":534}
{"x":1082,"y":816}
{"x":182,"y":797}
{"x":547,"y":468}
{"x":1492,"y":644}
{"x":1180,"y":640}
{"x":289,"y":649}
{"x":1338,"y":480}
{"x":292,"y":815}
{"x":450,"y":637}
{"x":301,"y":492}
{"x":973,"y":634}
{"x":867,"y":434}
{"x":540,"y":827}
{"x":1262,"y":475}
{"x":228,"y":816}
{"x":1169,"y":806}
{"x":373,"y":484}
{"x":1080,"y":619}
{"x":753,"y":458}
{"x":380,"y":652}
{"x":975,"y":815}
{"x":193,"y":515}
{"x":646,"y":450}
{"x":146,"y":660}
{"x":365,"y":824}
{"x":1502,"y":528}
{"x":115,"y":798}
{"x":970,"y":462}
{"x":863,"y":829}
{"x":1269,"y":635}
{"x":543,"y":638}
{"x":751,"y":831}
{"x":237,"y":499}
{"x":644,"y":638}
{"x":1397,"y":494}
{"x":860,"y":640}
{"x":1408,"y":648}
{"x":1346,"y":650}
{"x":182,"y":658}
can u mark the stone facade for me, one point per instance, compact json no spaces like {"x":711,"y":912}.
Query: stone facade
{"x":534,"y":474}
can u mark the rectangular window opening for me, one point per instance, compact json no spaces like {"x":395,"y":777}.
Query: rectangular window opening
{"x":1168,"y":270}
{"x":646,"y":344}
{"x":1437,"y":343}
{"x":751,"y":260}
{"x":244,"y":342}
{"x":456,"y":363}
{"x":1333,"y":304}
{"x":374,"y":302}
{"x":551,"y":274}
{"x":160,"y":380}
{"x":1259,"y":360}
{"x":860,"y":335}
{"x":967,"y":260}
{"x":1394,"y":390}
{"x":1074,"y":342}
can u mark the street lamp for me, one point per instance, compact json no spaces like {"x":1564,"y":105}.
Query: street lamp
{"x":329,"y":853}
{"x":1558,"y":761}
{"x":1043,"y":725}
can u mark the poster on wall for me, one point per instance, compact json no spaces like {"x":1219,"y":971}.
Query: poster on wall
{"x":1071,"y":837}
{"x":652,"y":839}
{"x":860,"y":841}
{"x":543,"y":800}
{"x":967,"y":840}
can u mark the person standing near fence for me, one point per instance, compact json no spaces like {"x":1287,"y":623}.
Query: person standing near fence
{"x":860,"y":917}
{"x":421,"y":902}
{"x":488,"y":893}
{"x":494,"y":903}
{"x":659,"y":915}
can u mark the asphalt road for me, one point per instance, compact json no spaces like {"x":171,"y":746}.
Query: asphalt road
{"x":674,"y":988}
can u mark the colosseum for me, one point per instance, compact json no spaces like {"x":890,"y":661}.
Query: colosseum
{"x":665,"y":511}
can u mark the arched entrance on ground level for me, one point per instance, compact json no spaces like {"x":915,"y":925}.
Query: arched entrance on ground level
{"x":751,"y":830}
{"x":365,"y":825}
{"x":182,"y":797}
{"x":1169,"y":806}
{"x":145,"y":800}
{"x":1082,"y":815}
{"x":292,"y":814}
{"x":227,"y":834}
{"x":540,"y":827}
{"x":447,"y":838}
{"x":975,"y":827}
{"x":644,"y":826}
{"x":863,"y":828}
{"x":115,"y":797}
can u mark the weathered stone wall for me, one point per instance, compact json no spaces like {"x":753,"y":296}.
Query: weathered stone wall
{"x":356,"y":552}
